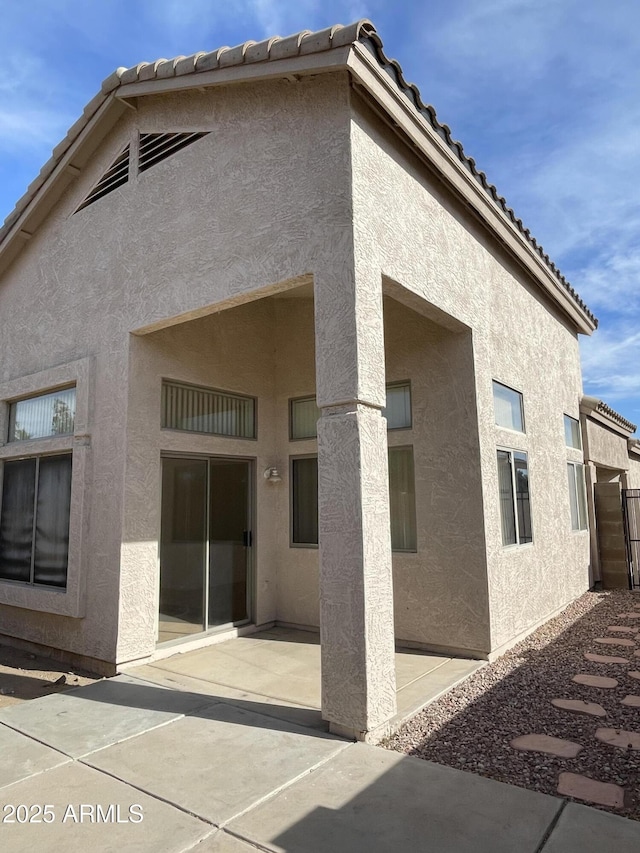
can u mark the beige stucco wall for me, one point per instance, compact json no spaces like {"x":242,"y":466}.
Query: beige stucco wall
{"x":634,"y":472}
{"x":439,"y":366}
{"x":433,"y":248}
{"x":262,"y":199}
{"x":604,"y":446}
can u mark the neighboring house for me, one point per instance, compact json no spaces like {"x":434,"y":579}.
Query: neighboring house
{"x":612,"y":465}
{"x":223,"y":248}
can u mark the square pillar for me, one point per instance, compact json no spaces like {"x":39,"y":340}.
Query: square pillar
{"x":356,"y":592}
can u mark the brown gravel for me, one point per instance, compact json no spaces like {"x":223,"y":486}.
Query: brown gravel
{"x":471,"y":726}
{"x":25,"y":676}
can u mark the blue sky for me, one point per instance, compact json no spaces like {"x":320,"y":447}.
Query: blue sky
{"x":544,"y":94}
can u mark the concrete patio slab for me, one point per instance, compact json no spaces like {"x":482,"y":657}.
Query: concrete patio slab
{"x":219,"y":762}
{"x":581,"y":829}
{"x":367,"y":800}
{"x":297,"y":714}
{"x":281,"y":669}
{"x":163,"y":828}
{"x":81,"y":721}
{"x":23,"y":757}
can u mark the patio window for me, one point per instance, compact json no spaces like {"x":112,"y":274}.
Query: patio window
{"x":398,"y":408}
{"x":577,"y":496}
{"x":34,"y":520}
{"x":43,"y":416}
{"x":304,"y":412}
{"x":205,"y":410}
{"x":515,"y":508}
{"x":508,"y":407}
{"x":572,"y":435}
{"x":303,"y":418}
{"x":304,"y":500}
{"x":402,"y":500}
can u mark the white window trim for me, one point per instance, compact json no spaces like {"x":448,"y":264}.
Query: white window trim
{"x":516,"y":545}
{"x":69,"y":601}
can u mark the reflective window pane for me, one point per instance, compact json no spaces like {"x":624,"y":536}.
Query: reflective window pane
{"x":402,"y":499}
{"x":43,"y":416}
{"x":507,"y":508}
{"x":16,"y":521}
{"x":507,"y":405}
{"x":523,"y":506}
{"x":398,"y":408}
{"x":572,"y":435}
{"x":51,"y":548}
{"x":303,"y":418}
{"x":304,"y":501}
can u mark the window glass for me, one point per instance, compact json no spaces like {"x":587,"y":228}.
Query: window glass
{"x":523,"y":506}
{"x":186,"y":407}
{"x":398,"y":408}
{"x":43,"y":416}
{"x":577,"y":496}
{"x":515,"y":508}
{"x":303,"y":418}
{"x":304,"y":501}
{"x":34,"y":520}
{"x":402,"y":499}
{"x":507,"y":405}
{"x":572,"y":435}
{"x":507,"y":508}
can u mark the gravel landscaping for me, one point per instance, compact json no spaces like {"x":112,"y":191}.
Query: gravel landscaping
{"x":470,"y":728}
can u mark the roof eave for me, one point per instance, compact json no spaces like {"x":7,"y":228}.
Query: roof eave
{"x":384,"y":90}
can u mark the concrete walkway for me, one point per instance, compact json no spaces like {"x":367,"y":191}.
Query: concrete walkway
{"x":124,"y":764}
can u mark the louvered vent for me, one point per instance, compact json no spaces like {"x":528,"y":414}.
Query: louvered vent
{"x":155,"y":147}
{"x":114,"y":177}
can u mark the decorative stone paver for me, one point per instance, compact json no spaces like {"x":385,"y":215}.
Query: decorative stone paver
{"x":546,"y":743}
{"x":614,"y":641}
{"x":604,"y":658}
{"x":580,"y":706}
{"x":634,"y":674}
{"x":621,"y":629}
{"x":619,"y":738}
{"x":631,"y":700}
{"x":595,"y":681}
{"x":584,"y":788}
{"x":633,"y":615}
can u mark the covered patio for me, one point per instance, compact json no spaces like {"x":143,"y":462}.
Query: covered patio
{"x":279,"y":671}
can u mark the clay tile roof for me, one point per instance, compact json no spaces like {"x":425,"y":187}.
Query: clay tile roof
{"x":595,"y":405}
{"x":299,"y":44}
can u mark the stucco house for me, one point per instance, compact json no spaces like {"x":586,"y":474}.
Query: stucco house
{"x":274,"y":351}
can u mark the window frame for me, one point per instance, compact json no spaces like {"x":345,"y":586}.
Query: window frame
{"x":32,"y":583}
{"x":165,"y":380}
{"x":47,"y":599}
{"x":292,"y":400}
{"x":565,"y":418}
{"x":512,"y":451}
{"x":292,"y":543}
{"x":401,"y":383}
{"x":511,"y":429}
{"x":415,"y":495}
{"x":575,"y":466}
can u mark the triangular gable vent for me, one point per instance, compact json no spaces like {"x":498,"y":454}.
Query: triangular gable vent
{"x":155,"y":147}
{"x":116,"y":175}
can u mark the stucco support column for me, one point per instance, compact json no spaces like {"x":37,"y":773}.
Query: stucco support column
{"x":356,"y":593}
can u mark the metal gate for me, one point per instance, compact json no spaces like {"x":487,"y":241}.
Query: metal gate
{"x":631,"y":512}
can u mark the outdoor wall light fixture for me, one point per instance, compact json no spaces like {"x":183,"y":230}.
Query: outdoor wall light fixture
{"x":272,"y":475}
